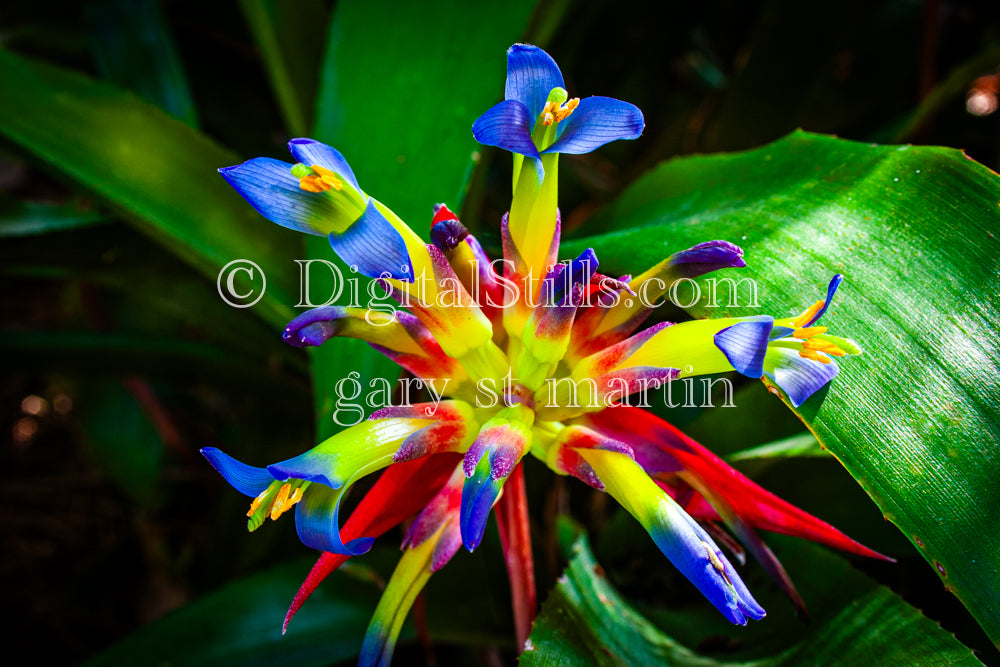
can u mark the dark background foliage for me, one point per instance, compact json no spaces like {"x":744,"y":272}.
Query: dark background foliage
{"x":118,"y":365}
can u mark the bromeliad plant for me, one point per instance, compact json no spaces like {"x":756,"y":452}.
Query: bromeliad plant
{"x":534,"y":359}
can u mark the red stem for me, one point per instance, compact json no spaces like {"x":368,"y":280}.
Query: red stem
{"x":515,"y":538}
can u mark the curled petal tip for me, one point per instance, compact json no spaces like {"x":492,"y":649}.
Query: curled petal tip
{"x":248,"y":480}
{"x":448,"y":233}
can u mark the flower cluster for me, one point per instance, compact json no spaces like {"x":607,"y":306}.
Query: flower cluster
{"x":446,"y":468}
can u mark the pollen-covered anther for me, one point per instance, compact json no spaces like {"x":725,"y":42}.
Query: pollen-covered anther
{"x":554,"y":112}
{"x":814,"y":355}
{"x":279,"y":503}
{"x":285,"y":500}
{"x":257,"y":501}
{"x":807,"y":316}
{"x":823,"y":346}
{"x":566,"y":109}
{"x":716,"y":563}
{"x":320,"y":180}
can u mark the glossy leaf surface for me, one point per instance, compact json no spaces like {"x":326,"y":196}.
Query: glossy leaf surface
{"x":160,"y":172}
{"x":916,"y":419}
{"x":586,"y":622}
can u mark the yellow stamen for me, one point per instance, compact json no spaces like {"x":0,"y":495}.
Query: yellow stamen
{"x":553,"y":113}
{"x":716,"y":563}
{"x":808,"y":332}
{"x":809,"y":313}
{"x":815,"y":356}
{"x":321,"y":180}
{"x":283,"y":502}
{"x":567,"y":108}
{"x":823,"y":346}
{"x":296,"y":497}
{"x":257,"y":501}
{"x":279,"y":503}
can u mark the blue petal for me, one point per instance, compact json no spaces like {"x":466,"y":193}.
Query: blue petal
{"x":745,"y":601}
{"x":270,"y":188}
{"x":706,"y":257}
{"x":248,"y":480}
{"x":310,"y":152}
{"x":318,"y":526}
{"x":830,"y":291}
{"x":745,"y":344}
{"x":558,"y":286}
{"x":508,"y":126}
{"x":684,"y":543}
{"x":374,"y":246}
{"x":314,"y":327}
{"x":597,"y":121}
{"x":315,"y":465}
{"x":531,"y":76}
{"x":799,"y":378}
{"x":479,"y":492}
{"x":448,"y":234}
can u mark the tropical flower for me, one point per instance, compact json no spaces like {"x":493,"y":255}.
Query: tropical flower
{"x":538,"y":117}
{"x":320,"y":195}
{"x":542,"y":371}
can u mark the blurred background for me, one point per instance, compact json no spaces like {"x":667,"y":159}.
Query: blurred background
{"x":120,"y":361}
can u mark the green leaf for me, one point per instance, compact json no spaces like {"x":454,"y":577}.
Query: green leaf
{"x":402,"y":115}
{"x":290,"y":38}
{"x":915,"y":419}
{"x":798,"y":445}
{"x":160,"y":172}
{"x":585,"y":621}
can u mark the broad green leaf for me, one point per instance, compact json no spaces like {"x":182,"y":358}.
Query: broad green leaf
{"x":402,"y":113}
{"x":157,"y":170}
{"x":798,"y":445}
{"x":133,"y":48}
{"x":915,"y":419}
{"x":290,"y":38}
{"x":585,"y":621}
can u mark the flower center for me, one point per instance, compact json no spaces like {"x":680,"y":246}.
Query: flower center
{"x":274,"y":501}
{"x":316,"y":178}
{"x":555,"y":112}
